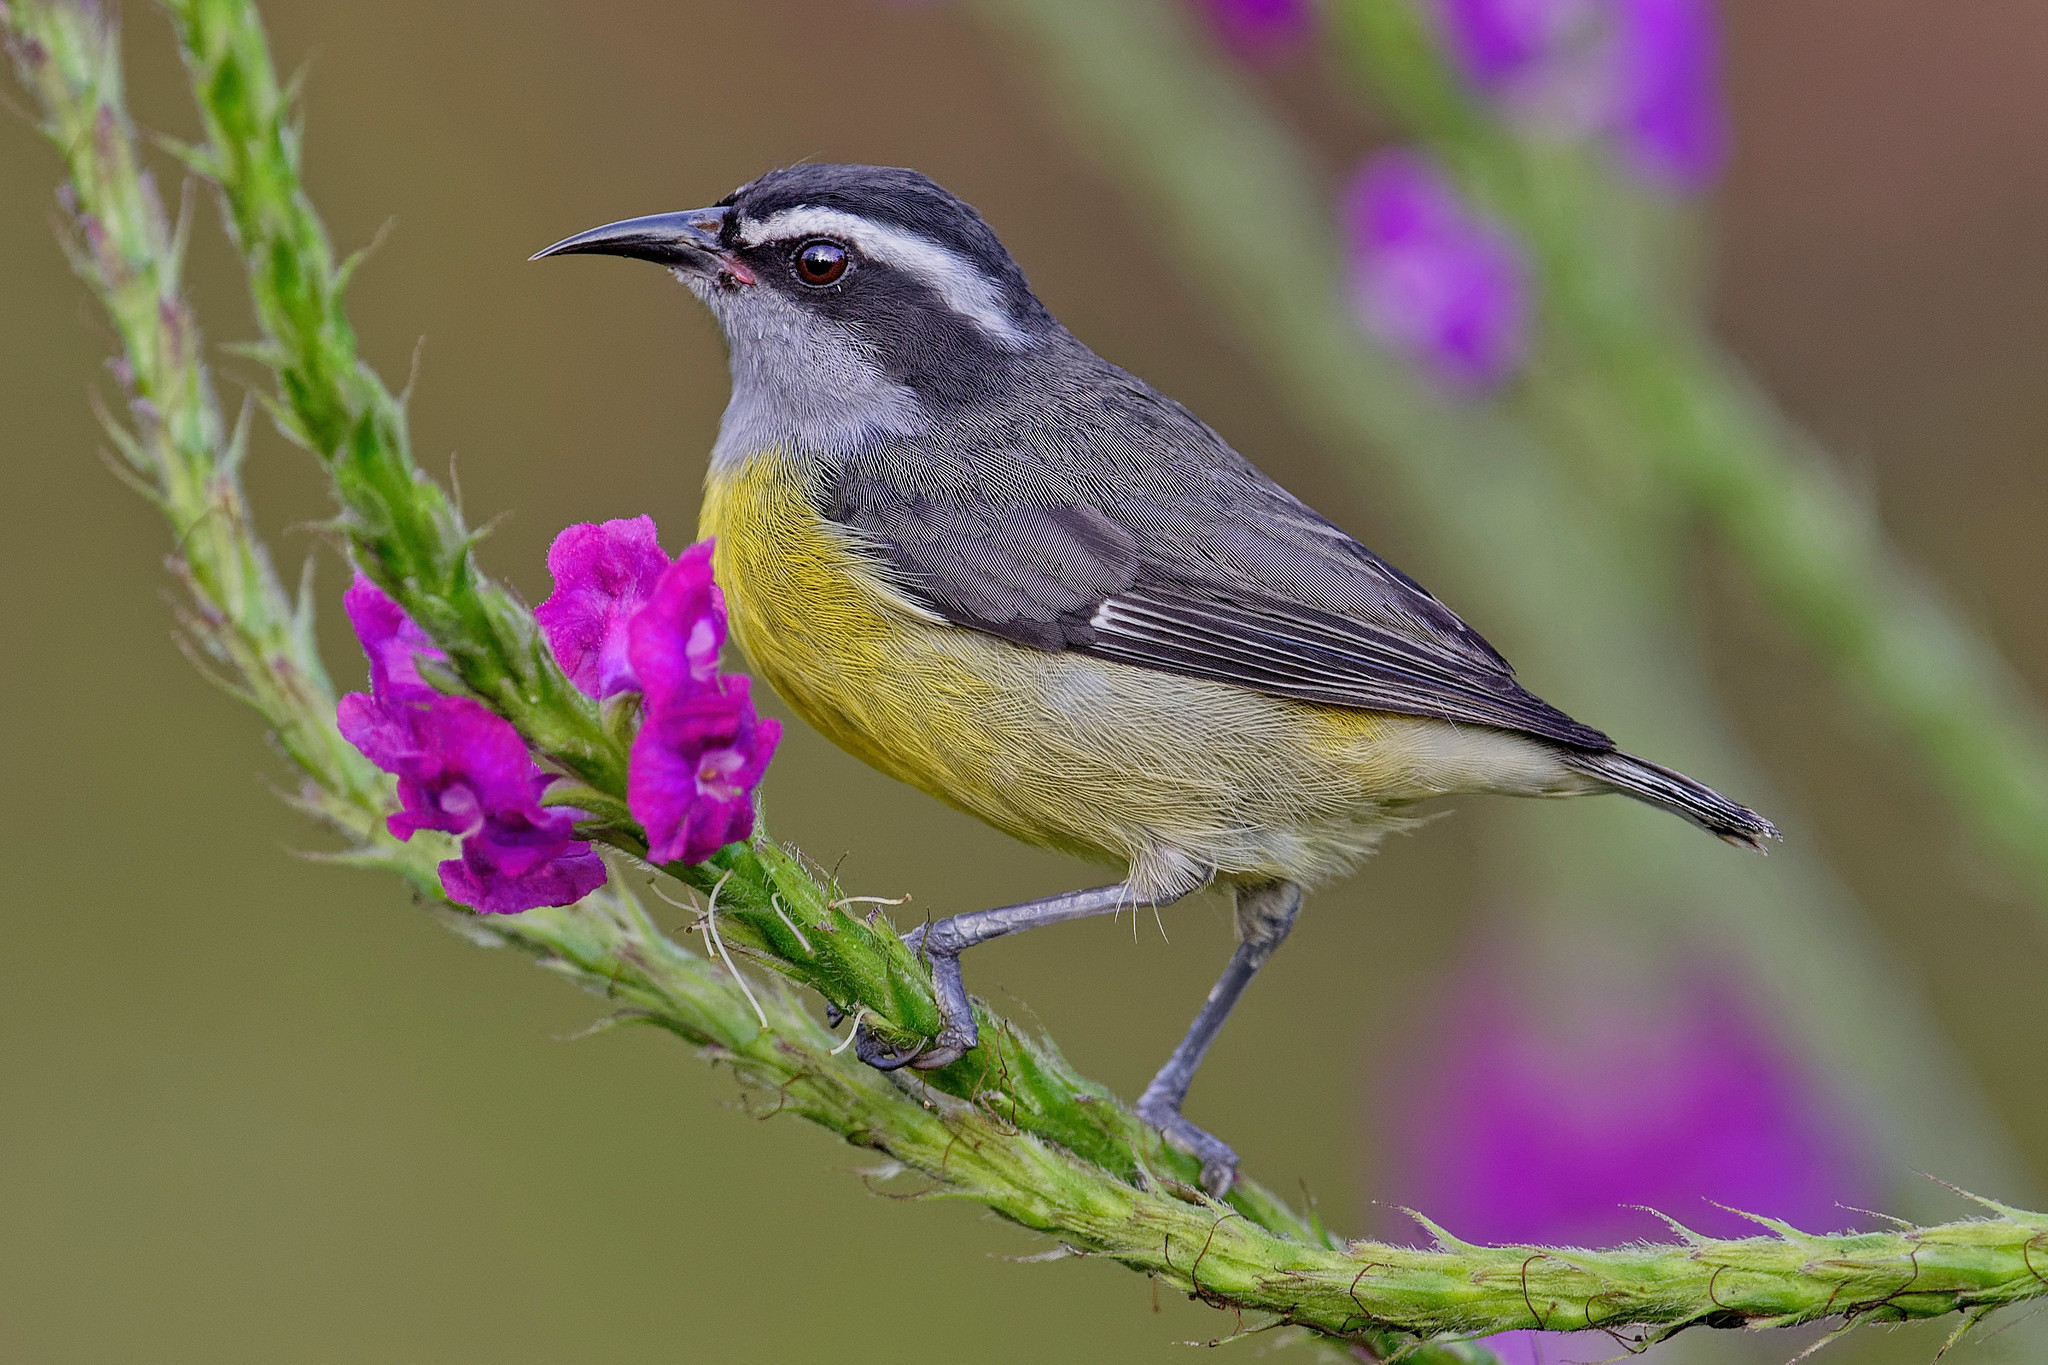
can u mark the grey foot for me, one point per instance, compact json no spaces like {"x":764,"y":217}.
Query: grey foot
{"x":941,"y":943}
{"x":1219,"y":1161}
{"x":878,"y":1054}
{"x":957,"y":1033}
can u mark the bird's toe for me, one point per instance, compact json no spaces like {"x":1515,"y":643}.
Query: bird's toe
{"x":882,"y":1056}
{"x":1218,"y":1158}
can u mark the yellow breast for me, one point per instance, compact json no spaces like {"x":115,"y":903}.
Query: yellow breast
{"x":815,"y":621}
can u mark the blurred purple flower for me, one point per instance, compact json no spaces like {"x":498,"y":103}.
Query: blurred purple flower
{"x":603,"y":574}
{"x":1645,"y":71}
{"x":1259,"y":30}
{"x":1671,"y":120}
{"x":462,"y":770}
{"x":695,"y":764}
{"x":1542,"y":1122}
{"x":1431,"y":278}
{"x":1501,"y":44}
{"x":701,"y":749}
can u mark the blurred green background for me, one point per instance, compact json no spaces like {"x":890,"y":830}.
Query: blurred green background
{"x":254,"y":1108}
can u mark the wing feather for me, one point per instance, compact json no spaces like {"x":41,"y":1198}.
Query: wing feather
{"x":1105,"y":519}
{"x":1280,"y":652}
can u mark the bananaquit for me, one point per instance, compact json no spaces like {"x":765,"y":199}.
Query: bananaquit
{"x":996,"y":566}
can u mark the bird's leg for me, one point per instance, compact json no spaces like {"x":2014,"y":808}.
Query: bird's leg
{"x":1264,"y":915}
{"x":941,"y":943}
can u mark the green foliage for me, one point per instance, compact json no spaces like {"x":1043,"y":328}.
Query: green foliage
{"x":1011,"y":1125}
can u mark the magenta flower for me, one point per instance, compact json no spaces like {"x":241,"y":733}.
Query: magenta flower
{"x":674,"y":641}
{"x":522,"y":857}
{"x":1541,"y":1110}
{"x":463,"y":770}
{"x":695,"y":764}
{"x":623,"y":618}
{"x":459,"y":761}
{"x":1646,"y":72}
{"x":1259,"y":30}
{"x":603,"y":574}
{"x":701,"y":749}
{"x":1431,"y":278}
{"x":391,"y":640}
{"x":385,"y":722}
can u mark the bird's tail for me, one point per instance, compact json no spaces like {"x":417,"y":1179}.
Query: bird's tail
{"x":1674,"y":791}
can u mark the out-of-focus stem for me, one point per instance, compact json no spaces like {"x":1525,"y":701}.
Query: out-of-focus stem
{"x":1627,"y":370}
{"x":1584,"y":599}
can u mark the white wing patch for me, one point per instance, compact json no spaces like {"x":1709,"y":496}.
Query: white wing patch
{"x":963,"y":287}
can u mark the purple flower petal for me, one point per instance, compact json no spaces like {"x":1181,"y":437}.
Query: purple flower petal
{"x":1431,"y":278}
{"x":385,"y":733}
{"x":391,"y":640}
{"x":693,"y":770}
{"x":1556,"y":1348}
{"x":514,"y":863}
{"x":1528,"y":1124}
{"x":469,"y":764}
{"x":673,"y":642}
{"x":1259,"y":30}
{"x":604,"y":573}
{"x":462,"y":769}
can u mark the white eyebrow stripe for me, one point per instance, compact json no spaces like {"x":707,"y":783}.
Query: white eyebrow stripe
{"x":956,"y":280}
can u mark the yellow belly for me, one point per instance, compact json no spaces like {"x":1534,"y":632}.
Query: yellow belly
{"x":1180,"y":777}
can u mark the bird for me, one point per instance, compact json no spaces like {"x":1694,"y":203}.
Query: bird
{"x":1000,"y":568}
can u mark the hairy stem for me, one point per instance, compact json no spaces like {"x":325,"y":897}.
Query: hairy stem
{"x":1011,"y":1127}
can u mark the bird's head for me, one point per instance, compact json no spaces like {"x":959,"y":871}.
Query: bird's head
{"x":849,"y":295}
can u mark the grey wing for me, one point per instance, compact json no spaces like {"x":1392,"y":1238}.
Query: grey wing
{"x":1165,"y":549}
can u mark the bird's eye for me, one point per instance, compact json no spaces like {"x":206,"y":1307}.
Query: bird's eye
{"x":819,"y":263}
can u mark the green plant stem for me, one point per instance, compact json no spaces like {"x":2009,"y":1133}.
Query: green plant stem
{"x":1252,"y":1255}
{"x":410,"y":538}
{"x":1629,"y":377}
{"x":1578,"y":594}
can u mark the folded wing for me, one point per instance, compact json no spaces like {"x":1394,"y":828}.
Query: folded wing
{"x":1118,"y":525}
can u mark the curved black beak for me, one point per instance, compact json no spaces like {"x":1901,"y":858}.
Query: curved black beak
{"x":686,"y":240}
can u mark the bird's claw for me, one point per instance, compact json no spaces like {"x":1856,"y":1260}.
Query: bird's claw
{"x":957,"y":1033}
{"x":941,"y":1051}
{"x":880,"y":1055}
{"x":1218,"y":1158}
{"x":944,"y":1050}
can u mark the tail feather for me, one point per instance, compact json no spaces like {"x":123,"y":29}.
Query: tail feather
{"x":1674,"y":791}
